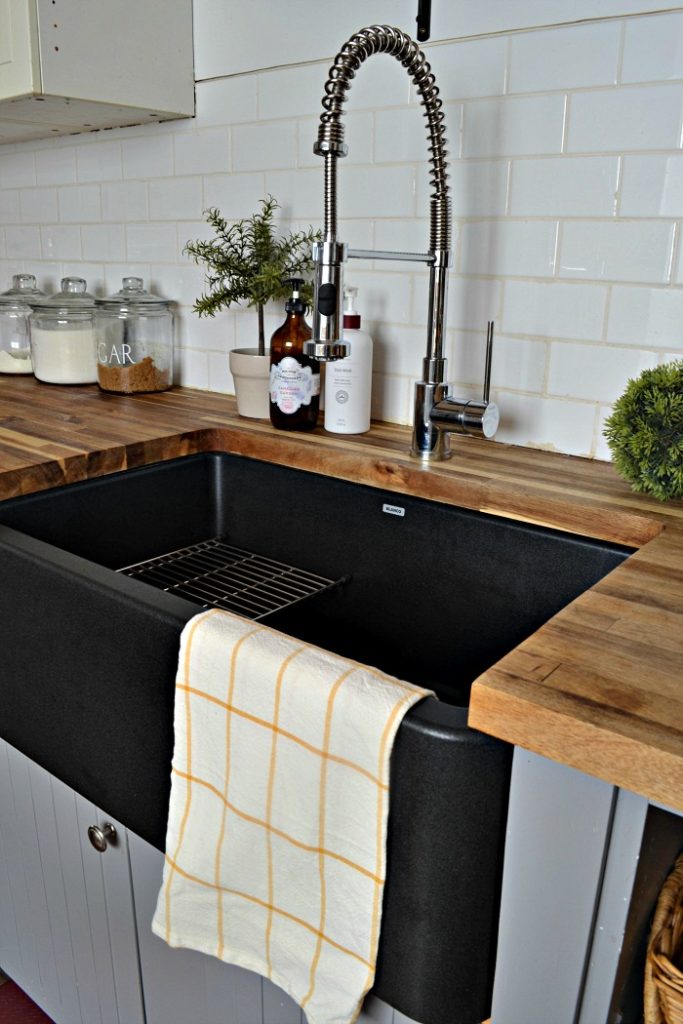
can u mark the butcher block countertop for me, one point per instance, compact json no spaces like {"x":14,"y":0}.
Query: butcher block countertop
{"x":599,"y":687}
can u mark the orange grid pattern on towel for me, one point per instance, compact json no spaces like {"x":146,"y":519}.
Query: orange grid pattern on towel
{"x":275,"y":853}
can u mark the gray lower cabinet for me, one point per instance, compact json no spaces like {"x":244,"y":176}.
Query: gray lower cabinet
{"x":75,"y":924}
{"x":67,"y":924}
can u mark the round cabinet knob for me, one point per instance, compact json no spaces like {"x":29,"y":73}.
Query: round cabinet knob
{"x":101,"y":837}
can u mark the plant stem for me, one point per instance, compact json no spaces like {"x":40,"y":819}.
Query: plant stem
{"x":261,"y":332}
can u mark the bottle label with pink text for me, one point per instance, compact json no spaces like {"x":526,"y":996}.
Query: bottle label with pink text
{"x":292,"y":385}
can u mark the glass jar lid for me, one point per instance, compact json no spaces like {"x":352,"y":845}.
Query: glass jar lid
{"x":15,"y":307}
{"x":23,"y":290}
{"x":133,"y":297}
{"x":73,"y":296}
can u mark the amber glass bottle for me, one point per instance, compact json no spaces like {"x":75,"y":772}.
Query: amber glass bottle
{"x":294,"y":378}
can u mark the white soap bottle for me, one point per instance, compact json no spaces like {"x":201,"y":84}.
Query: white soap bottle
{"x":348,"y":382}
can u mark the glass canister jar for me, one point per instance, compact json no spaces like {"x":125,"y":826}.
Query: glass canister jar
{"x":15,"y":346}
{"x":134,"y":341}
{"x":63,"y":335}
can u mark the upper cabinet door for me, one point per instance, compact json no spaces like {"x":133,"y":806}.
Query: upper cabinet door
{"x":18,"y":46}
{"x":74,"y":65}
{"x":67,"y":923}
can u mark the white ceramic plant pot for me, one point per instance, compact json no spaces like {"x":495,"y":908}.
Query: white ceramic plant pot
{"x":250,"y":371}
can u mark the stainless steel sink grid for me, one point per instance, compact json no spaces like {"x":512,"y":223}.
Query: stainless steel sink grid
{"x":216,"y":574}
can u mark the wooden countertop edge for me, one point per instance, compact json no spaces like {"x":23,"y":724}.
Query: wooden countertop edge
{"x":590,"y":747}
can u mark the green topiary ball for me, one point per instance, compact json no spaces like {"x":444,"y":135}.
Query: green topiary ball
{"x":645,"y":432}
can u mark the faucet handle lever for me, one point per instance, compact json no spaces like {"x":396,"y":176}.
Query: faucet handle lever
{"x":466,"y":416}
{"x":487,"y":362}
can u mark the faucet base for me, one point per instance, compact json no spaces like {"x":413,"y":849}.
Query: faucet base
{"x":429,"y":443}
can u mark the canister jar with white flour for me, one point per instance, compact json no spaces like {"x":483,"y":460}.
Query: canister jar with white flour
{"x":63,"y":335}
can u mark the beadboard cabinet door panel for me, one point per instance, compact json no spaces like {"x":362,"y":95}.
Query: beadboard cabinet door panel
{"x":67,"y":927}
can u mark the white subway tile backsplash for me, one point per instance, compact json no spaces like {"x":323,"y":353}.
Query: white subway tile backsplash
{"x":617,"y":251}
{"x":508,"y":248}
{"x":653,"y":48}
{"x":553,"y":424}
{"x":366,"y":192}
{"x":410,"y":235}
{"x":565,"y":58}
{"x":220,"y":378}
{"x":518,"y":363}
{"x":9,"y":206}
{"x":647,"y":117}
{"x":56,"y":166}
{"x":152,"y":243}
{"x":601,"y":447}
{"x":397,"y":350}
{"x":564,"y":186}
{"x":226,"y":101}
{"x":475,"y":68}
{"x":263,"y":147}
{"x":202,"y":152}
{"x":652,"y":186}
{"x":38,"y":205}
{"x":566,"y":177}
{"x":478,"y":187}
{"x":147,"y":156}
{"x":235,"y":195}
{"x":554,"y":310}
{"x":192,"y":368}
{"x":175,"y":199}
{"x":598,"y":373}
{"x":79,"y":204}
{"x":99,"y":161}
{"x":291,"y":92}
{"x":472,"y":302}
{"x":380,"y":82}
{"x":386,"y":297}
{"x":61,"y":242}
{"x":513,"y":127}
{"x":125,"y":201}
{"x":392,"y":398}
{"x":183,"y":282}
{"x":17,"y":170}
{"x":103,"y":242}
{"x":211,"y":333}
{"x":647,"y":317}
{"x":400,"y":134}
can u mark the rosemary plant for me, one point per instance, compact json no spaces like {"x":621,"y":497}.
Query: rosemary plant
{"x":247,"y":262}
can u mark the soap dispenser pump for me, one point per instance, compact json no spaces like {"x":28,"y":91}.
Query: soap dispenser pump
{"x":348,"y":381}
{"x":294,"y":377}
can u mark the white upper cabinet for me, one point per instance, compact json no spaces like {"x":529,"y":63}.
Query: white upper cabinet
{"x":76,"y":65}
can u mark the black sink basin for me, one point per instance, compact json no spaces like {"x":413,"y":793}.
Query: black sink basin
{"x":427,"y":592}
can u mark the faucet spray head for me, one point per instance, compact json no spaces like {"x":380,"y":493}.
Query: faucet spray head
{"x":326,"y":344}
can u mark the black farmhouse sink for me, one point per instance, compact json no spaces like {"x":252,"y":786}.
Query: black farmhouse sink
{"x":427,"y":592}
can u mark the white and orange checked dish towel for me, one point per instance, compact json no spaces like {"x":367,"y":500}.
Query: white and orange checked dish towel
{"x":275,"y":849}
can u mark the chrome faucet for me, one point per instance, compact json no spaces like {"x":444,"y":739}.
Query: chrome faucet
{"x":435,"y":412}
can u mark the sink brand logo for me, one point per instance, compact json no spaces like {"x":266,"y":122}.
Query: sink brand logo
{"x":393,"y":510}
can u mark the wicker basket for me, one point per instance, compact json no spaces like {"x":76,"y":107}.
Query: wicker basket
{"x":663,"y":995}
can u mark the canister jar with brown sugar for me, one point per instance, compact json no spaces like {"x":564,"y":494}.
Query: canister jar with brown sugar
{"x":134,"y":330}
